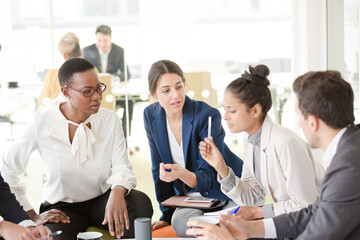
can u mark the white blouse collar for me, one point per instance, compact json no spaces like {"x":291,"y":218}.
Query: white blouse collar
{"x":81,"y":147}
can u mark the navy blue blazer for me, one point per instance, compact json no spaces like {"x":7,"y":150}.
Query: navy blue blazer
{"x":194,"y":130}
{"x":10,"y":209}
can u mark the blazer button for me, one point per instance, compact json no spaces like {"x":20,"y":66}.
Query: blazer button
{"x":206,"y":193}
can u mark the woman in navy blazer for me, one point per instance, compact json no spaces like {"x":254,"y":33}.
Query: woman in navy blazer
{"x":177,"y":166}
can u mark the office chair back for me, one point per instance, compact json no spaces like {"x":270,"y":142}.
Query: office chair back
{"x":108,"y":99}
{"x":198,"y":87}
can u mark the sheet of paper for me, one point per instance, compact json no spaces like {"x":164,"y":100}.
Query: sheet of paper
{"x":225,"y":211}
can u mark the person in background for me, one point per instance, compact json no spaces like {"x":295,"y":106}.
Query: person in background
{"x":69,"y":48}
{"x":109,"y":58}
{"x":277,"y":162}
{"x":90,"y":181}
{"x":174,"y":126}
{"x":16,"y":224}
{"x":324,"y":103}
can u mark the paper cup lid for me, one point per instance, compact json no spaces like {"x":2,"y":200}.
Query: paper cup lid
{"x":206,"y":219}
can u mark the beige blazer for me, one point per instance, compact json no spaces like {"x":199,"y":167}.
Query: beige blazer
{"x":289,"y":174}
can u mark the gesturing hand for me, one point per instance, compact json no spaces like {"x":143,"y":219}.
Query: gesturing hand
{"x":51,"y":216}
{"x":213,"y":156}
{"x":116,"y":212}
{"x":176,"y":171}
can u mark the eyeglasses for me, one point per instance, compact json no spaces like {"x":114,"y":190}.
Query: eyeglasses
{"x":91,"y":92}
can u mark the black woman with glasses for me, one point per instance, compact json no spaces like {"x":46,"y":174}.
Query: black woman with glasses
{"x":89,"y":179}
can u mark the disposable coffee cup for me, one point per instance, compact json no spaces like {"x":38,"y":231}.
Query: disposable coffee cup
{"x":206,"y":219}
{"x":89,"y":236}
{"x":143,"y":229}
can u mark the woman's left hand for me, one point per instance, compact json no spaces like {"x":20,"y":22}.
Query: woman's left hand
{"x":170,"y":172}
{"x":207,"y":231}
{"x":116,"y":212}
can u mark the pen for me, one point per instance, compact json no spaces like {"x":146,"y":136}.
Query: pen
{"x":209,"y":132}
{"x":51,"y":235}
{"x":232,"y":214}
{"x":235,"y":211}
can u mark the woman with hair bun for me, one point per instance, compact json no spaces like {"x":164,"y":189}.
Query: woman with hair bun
{"x":276,"y":161}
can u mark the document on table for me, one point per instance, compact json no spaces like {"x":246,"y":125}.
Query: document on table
{"x":226,"y":211}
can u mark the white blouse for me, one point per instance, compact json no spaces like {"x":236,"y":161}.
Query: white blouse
{"x":67,"y":181}
{"x":176,"y":150}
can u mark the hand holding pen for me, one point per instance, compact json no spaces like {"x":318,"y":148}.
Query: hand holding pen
{"x":211,"y":154}
{"x":232,"y":214}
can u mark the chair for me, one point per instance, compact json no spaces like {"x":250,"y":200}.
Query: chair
{"x":108,"y":98}
{"x":164,"y":232}
{"x":198,"y":87}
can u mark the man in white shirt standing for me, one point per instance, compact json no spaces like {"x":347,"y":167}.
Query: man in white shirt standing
{"x":325,"y":107}
{"x":108,"y":57}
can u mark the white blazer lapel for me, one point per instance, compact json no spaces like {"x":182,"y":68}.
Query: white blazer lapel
{"x":249,"y":155}
{"x":265,"y":139}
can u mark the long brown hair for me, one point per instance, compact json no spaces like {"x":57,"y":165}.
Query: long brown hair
{"x":158,"y":69}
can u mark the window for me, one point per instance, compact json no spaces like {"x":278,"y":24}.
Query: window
{"x":69,"y":13}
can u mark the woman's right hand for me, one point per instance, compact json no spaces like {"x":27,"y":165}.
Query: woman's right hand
{"x":159,"y":224}
{"x":213,"y":156}
{"x":51,"y":216}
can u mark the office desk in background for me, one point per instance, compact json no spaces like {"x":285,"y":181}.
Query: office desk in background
{"x":20,"y":101}
{"x":136,"y":89}
{"x":29,"y":91}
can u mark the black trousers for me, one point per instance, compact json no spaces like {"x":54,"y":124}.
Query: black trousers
{"x":92,"y":212}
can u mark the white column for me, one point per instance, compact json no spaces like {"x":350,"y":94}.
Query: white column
{"x":309,"y":43}
{"x":309,"y":36}
{"x":335,"y":18}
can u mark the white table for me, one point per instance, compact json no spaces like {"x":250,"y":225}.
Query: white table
{"x":167,"y":238}
{"x":137,"y":90}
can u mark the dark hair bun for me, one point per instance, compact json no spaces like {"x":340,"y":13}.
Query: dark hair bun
{"x":257,"y":74}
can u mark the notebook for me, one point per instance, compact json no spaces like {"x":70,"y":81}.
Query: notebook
{"x":180,"y":201}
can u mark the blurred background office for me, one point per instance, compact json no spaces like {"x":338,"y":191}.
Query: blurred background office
{"x":212,"y":40}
